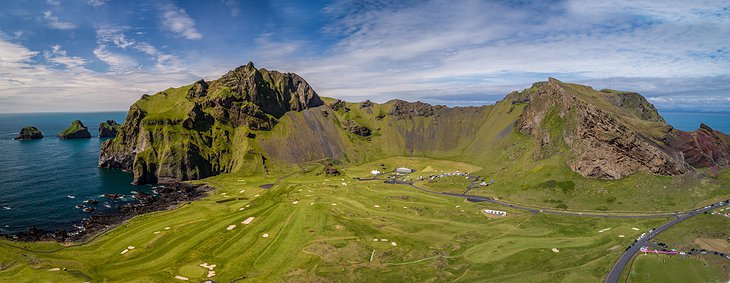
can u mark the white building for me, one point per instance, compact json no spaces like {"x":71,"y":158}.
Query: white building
{"x":404,"y":170}
{"x":495,"y":212}
{"x":375,"y":172}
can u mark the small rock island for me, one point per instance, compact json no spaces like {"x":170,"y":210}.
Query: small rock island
{"x":76,"y":130}
{"x":108,"y":129}
{"x":29,"y":133}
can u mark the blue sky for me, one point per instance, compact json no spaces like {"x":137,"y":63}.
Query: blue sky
{"x":98,"y":55}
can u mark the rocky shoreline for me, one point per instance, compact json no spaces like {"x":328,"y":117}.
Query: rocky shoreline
{"x":167,"y":196}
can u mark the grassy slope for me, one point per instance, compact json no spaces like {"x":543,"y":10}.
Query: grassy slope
{"x":657,"y":268}
{"x":437,"y":238}
{"x":74,"y":127}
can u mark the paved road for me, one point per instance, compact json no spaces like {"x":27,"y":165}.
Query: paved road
{"x":615,"y":274}
{"x":532,"y":209}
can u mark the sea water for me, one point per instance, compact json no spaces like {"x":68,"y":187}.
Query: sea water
{"x":41,"y":181}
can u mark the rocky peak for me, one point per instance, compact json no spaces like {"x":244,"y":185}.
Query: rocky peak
{"x":406,"y":110}
{"x":76,"y":130}
{"x":29,"y":133}
{"x":566,"y":117}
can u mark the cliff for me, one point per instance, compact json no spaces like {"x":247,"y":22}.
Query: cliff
{"x":189,"y":132}
{"x":108,"y":129}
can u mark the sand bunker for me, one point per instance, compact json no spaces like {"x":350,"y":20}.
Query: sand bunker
{"x":156,"y":232}
{"x":54,"y":269}
{"x":266,"y":235}
{"x":248,"y":220}
{"x":124,"y":251}
{"x":183,"y":278}
{"x":556,"y":250}
{"x":230,"y":227}
{"x":376,"y":206}
{"x":604,"y":230}
{"x":393,"y":244}
{"x":634,"y":228}
{"x":621,"y":236}
{"x":294,"y":202}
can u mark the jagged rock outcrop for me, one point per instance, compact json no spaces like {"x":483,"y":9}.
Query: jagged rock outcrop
{"x":76,"y":130}
{"x":188,"y":132}
{"x":109,"y":129}
{"x":407,"y":110}
{"x":29,"y":133}
{"x":704,"y":147}
{"x":339,"y":105}
{"x":562,"y":117}
{"x":355,"y":128}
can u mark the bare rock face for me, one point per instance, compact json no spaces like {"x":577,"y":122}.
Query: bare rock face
{"x":705,"y":147}
{"x":406,"y":110}
{"x":355,"y":128}
{"x":601,"y":146}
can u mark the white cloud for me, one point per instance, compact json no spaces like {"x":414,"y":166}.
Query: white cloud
{"x":27,"y":85}
{"x":58,"y":56}
{"x":117,"y":62}
{"x":97,"y":3}
{"x":115,"y":35}
{"x":421,"y":49}
{"x":53,"y":22}
{"x":177,"y":20}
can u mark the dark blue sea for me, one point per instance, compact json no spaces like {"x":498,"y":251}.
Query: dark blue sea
{"x":41,"y":181}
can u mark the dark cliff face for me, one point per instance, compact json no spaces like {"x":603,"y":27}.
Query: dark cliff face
{"x":108,"y":129}
{"x":188,"y":133}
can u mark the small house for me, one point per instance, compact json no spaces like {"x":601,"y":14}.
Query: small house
{"x":404,"y":170}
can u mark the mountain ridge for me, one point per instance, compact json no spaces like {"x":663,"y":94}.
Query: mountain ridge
{"x":259,"y":121}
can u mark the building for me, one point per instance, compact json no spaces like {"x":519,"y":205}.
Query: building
{"x":495,"y":212}
{"x":404,"y":170}
{"x":375,"y":172}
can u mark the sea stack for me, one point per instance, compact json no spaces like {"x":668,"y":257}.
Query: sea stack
{"x":108,"y":129}
{"x":76,"y":130}
{"x":29,"y":133}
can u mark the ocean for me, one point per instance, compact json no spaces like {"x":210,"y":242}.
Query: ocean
{"x":42,"y":181}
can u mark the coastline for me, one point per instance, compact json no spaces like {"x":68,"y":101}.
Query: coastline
{"x":168,"y":196}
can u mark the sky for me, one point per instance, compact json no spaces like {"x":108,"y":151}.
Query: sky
{"x":102,"y":55}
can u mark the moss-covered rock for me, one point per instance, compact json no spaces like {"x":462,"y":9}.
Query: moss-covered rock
{"x":29,"y":133}
{"x":109,"y":129}
{"x":76,"y":130}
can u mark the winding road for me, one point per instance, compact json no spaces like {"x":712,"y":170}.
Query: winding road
{"x":615,"y":274}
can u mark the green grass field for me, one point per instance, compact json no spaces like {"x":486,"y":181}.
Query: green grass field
{"x":334,"y":228}
{"x":659,"y":268}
